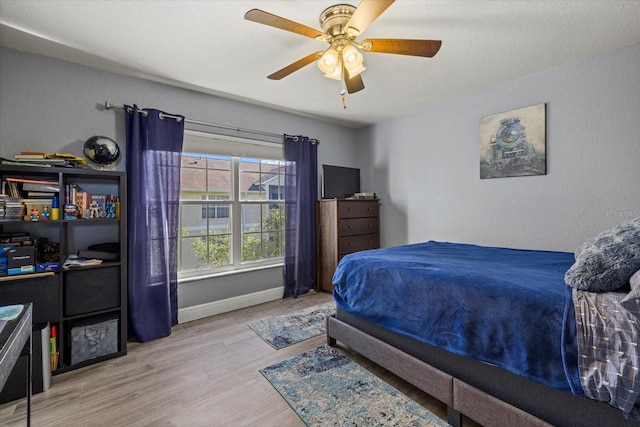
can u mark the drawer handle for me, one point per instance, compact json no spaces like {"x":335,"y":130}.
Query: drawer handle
{"x":370,"y":225}
{"x":350,"y":227}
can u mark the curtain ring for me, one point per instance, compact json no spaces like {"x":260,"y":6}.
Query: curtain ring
{"x":140,"y":111}
{"x":163,"y":116}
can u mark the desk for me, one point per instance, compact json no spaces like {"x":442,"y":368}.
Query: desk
{"x":15,"y":336}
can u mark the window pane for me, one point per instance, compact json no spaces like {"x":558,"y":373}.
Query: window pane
{"x":206,"y":240}
{"x":219,"y":178}
{"x":258,"y":178}
{"x":262,"y":231}
{"x":251,"y":247}
{"x":205,"y":252}
{"x":192,"y":223}
{"x":188,"y":259}
{"x":193,"y":176}
{"x":251,"y":217}
{"x":251,"y":187}
{"x":202,"y":175}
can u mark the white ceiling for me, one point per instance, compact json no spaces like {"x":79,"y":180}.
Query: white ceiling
{"x":209,"y":47}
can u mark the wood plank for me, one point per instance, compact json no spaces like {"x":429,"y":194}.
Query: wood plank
{"x":205,"y":373}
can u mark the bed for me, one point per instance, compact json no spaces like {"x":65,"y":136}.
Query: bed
{"x":491,"y":332}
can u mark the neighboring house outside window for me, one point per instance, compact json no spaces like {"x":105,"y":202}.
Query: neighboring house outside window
{"x":231,"y":209}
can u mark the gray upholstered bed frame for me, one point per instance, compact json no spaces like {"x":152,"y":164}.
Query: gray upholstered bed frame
{"x":487,"y":394}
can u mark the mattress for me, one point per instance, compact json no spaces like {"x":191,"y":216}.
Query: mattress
{"x":506,"y":307}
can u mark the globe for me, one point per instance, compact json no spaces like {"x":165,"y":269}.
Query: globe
{"x":101,"y":150}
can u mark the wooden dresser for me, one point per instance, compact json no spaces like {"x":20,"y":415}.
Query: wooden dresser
{"x":344,"y":226}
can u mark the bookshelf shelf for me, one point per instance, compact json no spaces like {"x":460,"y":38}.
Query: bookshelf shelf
{"x":80,"y":295}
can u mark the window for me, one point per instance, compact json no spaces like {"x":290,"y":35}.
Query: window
{"x":215,"y":211}
{"x":231,"y":204}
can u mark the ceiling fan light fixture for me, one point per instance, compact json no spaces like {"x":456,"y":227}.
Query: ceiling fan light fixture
{"x":353,"y":60}
{"x":335,"y":75}
{"x":329,"y":61}
{"x":350,"y":55}
{"x":354,"y":71}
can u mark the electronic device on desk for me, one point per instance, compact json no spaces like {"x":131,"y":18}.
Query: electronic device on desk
{"x":365,"y":196}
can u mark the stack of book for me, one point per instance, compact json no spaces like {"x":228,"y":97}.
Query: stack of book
{"x":12,"y":209}
{"x":26,"y":187}
{"x":39,"y":159}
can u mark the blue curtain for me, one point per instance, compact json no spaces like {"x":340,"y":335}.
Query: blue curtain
{"x":301,"y":193}
{"x":154,"y":152}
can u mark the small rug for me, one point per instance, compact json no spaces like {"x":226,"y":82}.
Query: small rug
{"x":326,"y":388}
{"x":291,"y":328}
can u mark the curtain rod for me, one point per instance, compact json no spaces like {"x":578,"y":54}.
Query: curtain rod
{"x":110,"y":106}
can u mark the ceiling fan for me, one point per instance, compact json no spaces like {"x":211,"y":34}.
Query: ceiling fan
{"x":341,"y":24}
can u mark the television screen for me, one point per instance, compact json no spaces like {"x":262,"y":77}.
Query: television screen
{"x":339,"y":182}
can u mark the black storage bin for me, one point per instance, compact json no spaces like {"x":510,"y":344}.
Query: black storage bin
{"x":43,"y":292}
{"x":92,"y":289}
{"x":93,"y":338}
{"x":16,"y":386}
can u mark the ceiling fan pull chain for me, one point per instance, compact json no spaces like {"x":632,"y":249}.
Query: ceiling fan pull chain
{"x":344,"y":100}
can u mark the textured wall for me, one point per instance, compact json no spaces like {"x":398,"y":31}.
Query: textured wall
{"x":425,"y":166}
{"x":51,"y":105}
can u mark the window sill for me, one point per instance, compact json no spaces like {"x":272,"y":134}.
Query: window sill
{"x":187,"y":279}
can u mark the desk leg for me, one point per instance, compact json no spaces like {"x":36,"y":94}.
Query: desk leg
{"x":29,"y":373}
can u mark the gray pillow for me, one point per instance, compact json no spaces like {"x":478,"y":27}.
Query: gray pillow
{"x":607,"y":262}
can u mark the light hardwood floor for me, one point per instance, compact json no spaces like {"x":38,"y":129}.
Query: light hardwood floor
{"x":204,"y":374}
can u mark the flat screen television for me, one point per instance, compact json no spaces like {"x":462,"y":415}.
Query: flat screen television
{"x":339,"y":182}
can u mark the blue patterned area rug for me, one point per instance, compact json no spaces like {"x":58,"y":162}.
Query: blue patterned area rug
{"x":291,"y":328}
{"x":326,"y":388}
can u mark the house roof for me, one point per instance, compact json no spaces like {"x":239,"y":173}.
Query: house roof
{"x":194,"y":174}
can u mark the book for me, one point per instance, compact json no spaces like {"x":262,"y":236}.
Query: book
{"x":40,"y":194}
{"x":32,"y":181}
{"x":30,"y":156}
{"x":49,"y":188}
{"x":42,"y":162}
{"x":73,"y":261}
{"x":78,"y":197}
{"x":14,"y":162}
{"x":32,"y":153}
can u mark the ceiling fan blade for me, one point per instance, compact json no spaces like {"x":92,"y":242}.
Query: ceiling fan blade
{"x":426,"y":48}
{"x":354,"y":84}
{"x":266,"y":18}
{"x":295,"y":66}
{"x":367,"y":12}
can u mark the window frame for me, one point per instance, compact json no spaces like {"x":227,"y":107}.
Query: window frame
{"x":235,"y":202}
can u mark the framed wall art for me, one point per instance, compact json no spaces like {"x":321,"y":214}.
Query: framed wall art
{"x":514,"y":143}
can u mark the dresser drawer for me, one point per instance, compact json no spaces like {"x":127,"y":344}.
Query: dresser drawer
{"x":357,"y":209}
{"x":353,"y":226}
{"x":349,"y":244}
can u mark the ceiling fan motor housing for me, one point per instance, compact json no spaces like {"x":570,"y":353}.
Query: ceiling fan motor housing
{"x":333,"y":20}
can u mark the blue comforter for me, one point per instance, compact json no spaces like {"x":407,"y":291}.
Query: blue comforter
{"x":507,"y":307}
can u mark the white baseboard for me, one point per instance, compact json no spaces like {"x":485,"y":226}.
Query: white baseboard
{"x":195,"y":312}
